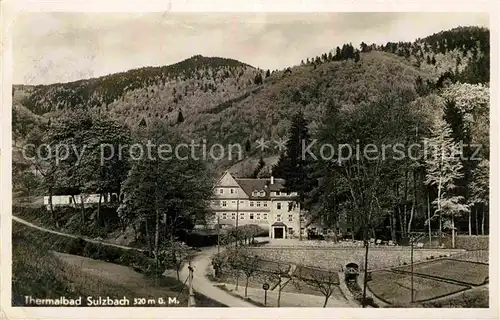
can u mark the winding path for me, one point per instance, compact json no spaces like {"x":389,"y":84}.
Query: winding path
{"x":200,"y":264}
{"x":29,"y":224}
{"x":203,"y":285}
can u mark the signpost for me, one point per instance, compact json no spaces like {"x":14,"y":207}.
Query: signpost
{"x":218,"y":233}
{"x":265,"y":286}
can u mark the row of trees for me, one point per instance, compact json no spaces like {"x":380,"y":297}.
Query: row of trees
{"x":346,"y":52}
{"x":237,"y":262}
{"x":465,"y":40}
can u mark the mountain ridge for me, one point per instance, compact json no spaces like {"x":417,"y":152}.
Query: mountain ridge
{"x":228,"y":100}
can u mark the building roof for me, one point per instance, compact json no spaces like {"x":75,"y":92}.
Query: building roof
{"x":251,"y":185}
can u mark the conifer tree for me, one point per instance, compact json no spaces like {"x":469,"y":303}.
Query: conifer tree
{"x":294,"y":166}
{"x":248,"y":147}
{"x":180,"y":117}
{"x":259,"y":167}
{"x":258,"y":79}
{"x":356,"y":56}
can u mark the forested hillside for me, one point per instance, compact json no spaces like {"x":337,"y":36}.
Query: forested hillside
{"x":434,"y":89}
{"x":221,"y":98}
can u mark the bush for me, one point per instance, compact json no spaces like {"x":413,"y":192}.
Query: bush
{"x":75,"y":246}
{"x":90,"y":250}
{"x":357,"y":293}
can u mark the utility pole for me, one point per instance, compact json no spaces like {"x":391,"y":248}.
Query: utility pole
{"x":191,"y":302}
{"x":411,"y":260}
{"x":218,"y":233}
{"x":237,"y":218}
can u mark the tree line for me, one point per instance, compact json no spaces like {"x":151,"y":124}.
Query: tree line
{"x":446,"y":180}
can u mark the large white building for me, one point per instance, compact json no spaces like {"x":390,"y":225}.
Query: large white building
{"x":257,"y":201}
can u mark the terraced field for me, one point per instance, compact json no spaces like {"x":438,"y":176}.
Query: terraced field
{"x":471,"y":273}
{"x":395,"y":288}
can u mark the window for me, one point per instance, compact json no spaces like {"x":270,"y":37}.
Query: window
{"x":278,"y":217}
{"x":254,"y":193}
{"x":224,"y":203}
{"x":233,"y":215}
{"x":264,"y":204}
{"x":277,"y":193}
{"x":224,"y":216}
{"x":242,"y":201}
{"x":234,"y":201}
{"x":232,"y":191}
{"x":262,"y":193}
{"x":70,"y":200}
{"x":258,"y":216}
{"x":278,"y":205}
{"x":242,"y":216}
{"x":251,"y":216}
{"x":258,"y":203}
{"x":290,"y":230}
{"x":251,"y":203}
{"x":265,"y":216}
{"x":290,"y":217}
{"x":221,"y":191}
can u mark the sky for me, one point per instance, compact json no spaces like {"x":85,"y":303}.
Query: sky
{"x":50,"y":47}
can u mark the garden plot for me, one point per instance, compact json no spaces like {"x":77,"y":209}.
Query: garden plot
{"x":395,"y":288}
{"x":307,"y":273}
{"x":448,"y":269}
{"x":273,"y":266}
{"x":473,"y":256}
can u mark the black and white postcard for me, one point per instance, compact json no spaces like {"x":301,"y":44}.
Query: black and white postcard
{"x":191,"y":157}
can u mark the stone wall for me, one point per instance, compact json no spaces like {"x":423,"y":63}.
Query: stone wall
{"x":469,"y":242}
{"x":337,"y":258}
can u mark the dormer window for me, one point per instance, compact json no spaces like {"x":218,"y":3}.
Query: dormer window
{"x":221,"y":191}
{"x":262,"y":193}
{"x":255,"y":193}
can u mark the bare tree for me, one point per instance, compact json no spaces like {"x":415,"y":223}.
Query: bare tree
{"x":248,"y":264}
{"x":276,"y":272}
{"x":324,"y":281}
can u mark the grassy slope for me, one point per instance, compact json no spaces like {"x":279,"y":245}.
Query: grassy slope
{"x":37,"y":272}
